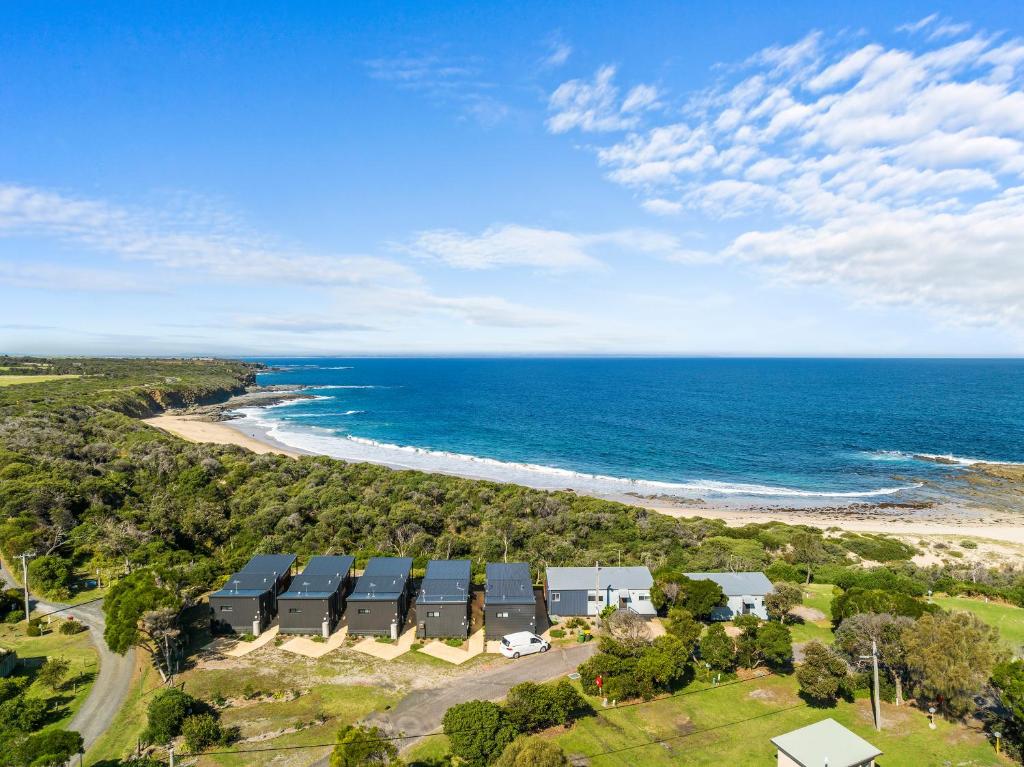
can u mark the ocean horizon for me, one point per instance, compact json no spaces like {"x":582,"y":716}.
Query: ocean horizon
{"x":743,"y":431}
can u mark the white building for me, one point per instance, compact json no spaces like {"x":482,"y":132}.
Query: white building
{"x":745,"y":593}
{"x":588,"y":590}
{"x":824,"y":744}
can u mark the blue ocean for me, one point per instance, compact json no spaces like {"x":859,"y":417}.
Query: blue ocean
{"x":771,"y":431}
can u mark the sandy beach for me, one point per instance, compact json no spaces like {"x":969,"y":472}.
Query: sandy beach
{"x":942,"y":523}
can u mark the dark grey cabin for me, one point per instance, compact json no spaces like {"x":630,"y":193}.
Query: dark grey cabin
{"x":314,"y":602}
{"x":380,"y":597}
{"x":442,"y":604}
{"x":247,"y":603}
{"x":509,"y":601}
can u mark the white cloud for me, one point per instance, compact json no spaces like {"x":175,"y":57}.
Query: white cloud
{"x":550,"y":250}
{"x":217,"y":248}
{"x":595,"y":106}
{"x":894,"y":173}
{"x":558,"y":53}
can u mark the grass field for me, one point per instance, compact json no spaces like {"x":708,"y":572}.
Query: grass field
{"x":12,"y":380}
{"x":130,"y":721}
{"x":1007,"y":618}
{"x":77,"y":649}
{"x":733,"y":725}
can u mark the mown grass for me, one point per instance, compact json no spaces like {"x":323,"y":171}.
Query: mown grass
{"x":126,"y":729}
{"x":734,"y":724}
{"x":1007,"y":618}
{"x":16,"y":379}
{"x":76,"y":648}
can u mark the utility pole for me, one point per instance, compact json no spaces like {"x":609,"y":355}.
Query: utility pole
{"x":25,"y":557}
{"x":874,"y":672}
{"x":170,"y":751}
{"x":597,"y":589}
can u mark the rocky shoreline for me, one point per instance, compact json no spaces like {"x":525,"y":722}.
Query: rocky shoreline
{"x":254,"y":396}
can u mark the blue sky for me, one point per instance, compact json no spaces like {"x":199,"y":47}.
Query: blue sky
{"x":698,"y":178}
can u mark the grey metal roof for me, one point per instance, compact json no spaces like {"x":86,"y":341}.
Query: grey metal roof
{"x":383,"y":580}
{"x":313,"y":586}
{"x":509,"y":584}
{"x":269,"y":563}
{"x":445,"y":581}
{"x":243,"y":584}
{"x":825,"y":742}
{"x":329,"y":565}
{"x":585,"y":578}
{"x":737,"y":584}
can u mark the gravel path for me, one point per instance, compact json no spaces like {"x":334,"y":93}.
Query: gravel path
{"x":115,"y":673}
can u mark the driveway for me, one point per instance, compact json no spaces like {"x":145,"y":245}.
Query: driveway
{"x":421,"y":711}
{"x":115,"y":675}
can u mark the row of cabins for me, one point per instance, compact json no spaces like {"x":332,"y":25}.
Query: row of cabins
{"x":378,"y":601}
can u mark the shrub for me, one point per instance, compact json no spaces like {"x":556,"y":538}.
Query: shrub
{"x":823,"y":675}
{"x":71,"y":627}
{"x":166,"y":713}
{"x":200,"y":731}
{"x":51,"y":575}
{"x":318,"y":638}
{"x":968,"y":544}
{"x":557,"y":633}
{"x":15,"y":616}
{"x":717,"y":648}
{"x":53,"y":672}
{"x":532,"y":752}
{"x":530,"y":706}
{"x":577,"y":623}
{"x":454,"y":642}
{"x":50,"y":748}
{"x":877,"y":548}
{"x":780,"y":570}
{"x":247,"y":637}
{"x":478,"y":731}
{"x":359,"y":746}
{"x":858,"y":600}
{"x":34,"y":630}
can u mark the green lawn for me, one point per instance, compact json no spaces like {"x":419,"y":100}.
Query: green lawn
{"x":819,"y":596}
{"x":733,"y":725}
{"x":12,"y":380}
{"x":130,"y":721}
{"x":77,"y":649}
{"x":1007,"y":618}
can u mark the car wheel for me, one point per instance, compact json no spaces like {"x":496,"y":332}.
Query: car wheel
{"x":515,"y":655}
{"x":544,"y":648}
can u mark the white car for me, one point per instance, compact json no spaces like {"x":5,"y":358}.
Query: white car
{"x":522,"y":643}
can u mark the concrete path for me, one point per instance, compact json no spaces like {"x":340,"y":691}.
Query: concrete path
{"x":310,"y":649}
{"x":244,"y":648}
{"x":422,"y":710}
{"x":115,"y":673}
{"x":387,"y":650}
{"x":456,"y":655}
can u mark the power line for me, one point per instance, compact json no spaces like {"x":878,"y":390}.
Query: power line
{"x":391,"y":738}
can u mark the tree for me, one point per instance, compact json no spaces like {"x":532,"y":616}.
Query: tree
{"x":201,"y":731}
{"x":682,"y":625}
{"x":856,"y":600}
{"x":783,"y":598}
{"x":165,"y":714}
{"x":53,"y":672}
{"x":50,"y":748}
{"x":478,"y":731}
{"x":808,"y":550}
{"x":950,"y":657}
{"x":51,"y":575}
{"x":662,"y":665}
{"x":359,"y":746}
{"x":23,"y":714}
{"x":530,"y":707}
{"x":132,"y":599}
{"x":854,"y":636}
{"x":1008,"y":681}
{"x":717,"y":648}
{"x":626,"y":626}
{"x":532,"y":752}
{"x":823,"y":675}
{"x":769,"y":644}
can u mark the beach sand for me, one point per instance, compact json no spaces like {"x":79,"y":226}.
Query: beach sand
{"x":952,"y":524}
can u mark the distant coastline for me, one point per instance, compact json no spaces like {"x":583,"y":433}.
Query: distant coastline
{"x":887,"y":517}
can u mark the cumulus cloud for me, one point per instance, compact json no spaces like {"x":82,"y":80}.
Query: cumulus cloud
{"x":892,"y":172}
{"x":595,"y":105}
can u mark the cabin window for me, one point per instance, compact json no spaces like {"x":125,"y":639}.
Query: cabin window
{"x":294,"y":610}
{"x":502,"y":615}
{"x":434,"y":614}
{"x":364,"y":610}
{"x":643,"y":597}
{"x":226,"y":608}
{"x":556,"y":596}
{"x":591,"y":598}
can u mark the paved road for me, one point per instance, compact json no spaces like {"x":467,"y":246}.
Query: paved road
{"x":115,"y":674}
{"x":421,"y":711}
